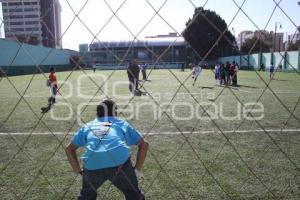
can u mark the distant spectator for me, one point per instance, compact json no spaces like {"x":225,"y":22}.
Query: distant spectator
{"x":94,"y":67}
{"x":143,"y":67}
{"x":235,"y":73}
{"x":232,"y":72}
{"x":271,"y":71}
{"x":280,"y":67}
{"x":262,"y":67}
{"x":182,"y":67}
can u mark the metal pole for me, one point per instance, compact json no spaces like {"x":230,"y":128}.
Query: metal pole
{"x":274,"y":43}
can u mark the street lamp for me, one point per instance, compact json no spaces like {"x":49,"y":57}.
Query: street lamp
{"x":274,"y":47}
{"x":233,"y":30}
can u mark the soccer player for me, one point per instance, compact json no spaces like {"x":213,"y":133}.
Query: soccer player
{"x":222,"y":72}
{"x":196,"y":72}
{"x":53,"y":86}
{"x":227,"y":73}
{"x":52,"y":83}
{"x":108,"y":140}
{"x":218,"y":74}
{"x":133,"y":71}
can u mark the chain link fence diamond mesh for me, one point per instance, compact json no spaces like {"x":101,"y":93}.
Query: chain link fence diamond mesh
{"x":192,"y":156}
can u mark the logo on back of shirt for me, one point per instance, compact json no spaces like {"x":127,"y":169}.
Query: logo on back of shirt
{"x":102,"y":128}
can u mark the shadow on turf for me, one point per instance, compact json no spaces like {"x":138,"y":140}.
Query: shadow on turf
{"x":239,"y":86}
{"x":45,"y":109}
{"x":275,"y":79}
{"x":139,"y":93}
{"x":206,"y":87}
{"x":247,"y":86}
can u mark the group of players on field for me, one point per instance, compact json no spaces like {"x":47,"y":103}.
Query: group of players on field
{"x":225,"y":74}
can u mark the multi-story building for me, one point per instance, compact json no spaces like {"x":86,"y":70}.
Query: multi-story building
{"x":293,"y":38}
{"x":272,"y":39}
{"x":243,"y":36}
{"x":277,"y":41}
{"x":33,"y":21}
{"x":149,"y":50}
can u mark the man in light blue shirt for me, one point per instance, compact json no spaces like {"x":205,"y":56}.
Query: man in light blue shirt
{"x":107,"y":140}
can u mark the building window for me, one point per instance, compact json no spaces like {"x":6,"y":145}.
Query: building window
{"x":32,"y":29}
{"x":16,"y":16}
{"x":16,"y":10}
{"x":31,"y":22}
{"x":16,"y":23}
{"x":30,"y":3}
{"x":17,"y":29}
{"x":31,"y":16}
{"x":30,"y":9}
{"x":15,"y":4}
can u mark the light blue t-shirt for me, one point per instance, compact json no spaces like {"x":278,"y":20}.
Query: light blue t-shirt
{"x":107,"y":141}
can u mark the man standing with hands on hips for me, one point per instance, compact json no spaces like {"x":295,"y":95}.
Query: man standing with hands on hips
{"x":133,"y":71}
{"x":107,"y":156}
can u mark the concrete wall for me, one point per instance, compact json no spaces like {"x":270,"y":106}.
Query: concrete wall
{"x":254,"y":61}
{"x":149,"y":66}
{"x":289,"y":60}
{"x":266,"y":60}
{"x":17,"y":58}
{"x":292,"y":60}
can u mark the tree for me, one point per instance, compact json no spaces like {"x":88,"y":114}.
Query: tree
{"x":203,"y":31}
{"x":76,"y":63}
{"x":294,"y":46}
{"x":254,"y":45}
{"x":28,"y":39}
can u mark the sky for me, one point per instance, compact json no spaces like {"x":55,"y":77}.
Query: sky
{"x":139,"y":18}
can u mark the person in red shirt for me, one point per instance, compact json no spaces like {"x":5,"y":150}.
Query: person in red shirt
{"x":52,"y":83}
{"x":53,"y":86}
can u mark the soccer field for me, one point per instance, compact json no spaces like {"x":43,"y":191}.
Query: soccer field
{"x":204,"y":144}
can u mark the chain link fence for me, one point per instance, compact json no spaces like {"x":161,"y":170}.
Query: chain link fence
{"x":189,"y":158}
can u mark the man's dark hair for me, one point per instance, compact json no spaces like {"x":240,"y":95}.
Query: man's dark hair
{"x":106,"y":108}
{"x":51,"y":69}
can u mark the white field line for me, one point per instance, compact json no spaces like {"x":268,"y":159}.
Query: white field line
{"x":169,"y":133}
{"x":244,"y":91}
{"x":44,"y":95}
